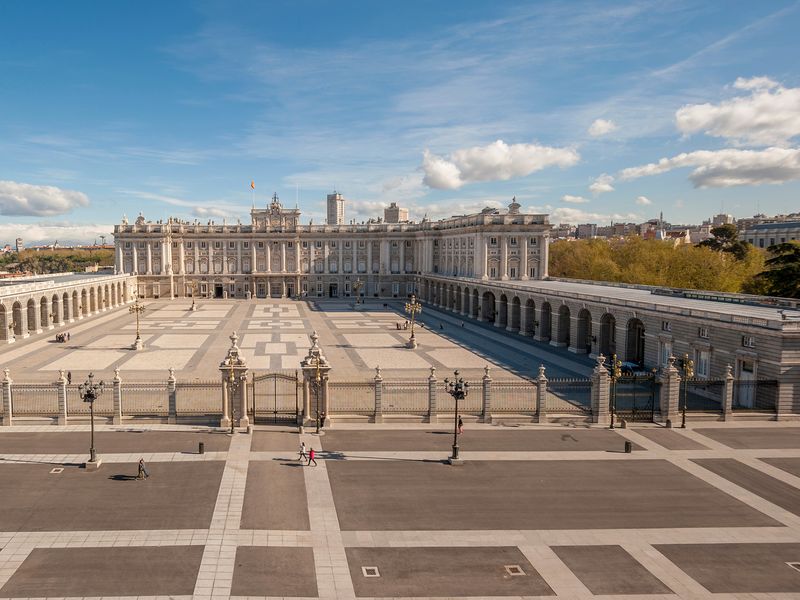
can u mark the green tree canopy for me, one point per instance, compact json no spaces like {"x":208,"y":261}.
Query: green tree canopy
{"x":782,"y":277}
{"x":726,"y":239}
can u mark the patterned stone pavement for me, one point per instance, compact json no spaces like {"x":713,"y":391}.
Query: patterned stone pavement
{"x":535,"y":512}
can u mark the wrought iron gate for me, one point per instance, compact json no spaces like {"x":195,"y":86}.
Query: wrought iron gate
{"x":276,"y":398}
{"x":634,"y":398}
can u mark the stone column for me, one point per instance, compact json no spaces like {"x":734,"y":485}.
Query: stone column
{"x":544,"y":256}
{"x":182,"y":261}
{"x":369,"y":261}
{"x":61,"y":388}
{"x":135,"y":269}
{"x":601,"y":392}
{"x":283,"y":257}
{"x":402,"y":244}
{"x":487,"y":395}
{"x":573,"y":335}
{"x":268,"y":255}
{"x":433,"y":409}
{"x":253,"y":262}
{"x":541,"y":396}
{"x":504,"y":257}
{"x":119,"y":266}
{"x":233,"y":370}
{"x":670,"y":391}
{"x":116,"y":419}
{"x":727,"y":395}
{"x":497,"y":311}
{"x":523,"y":263}
{"x":378,"y":382}
{"x":172,"y":416}
{"x":326,"y":253}
{"x":485,"y":258}
{"x":149,"y":259}
{"x":8,"y":418}
{"x":354,"y":267}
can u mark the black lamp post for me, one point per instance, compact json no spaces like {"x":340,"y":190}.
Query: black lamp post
{"x":90,"y":391}
{"x":458,"y":389}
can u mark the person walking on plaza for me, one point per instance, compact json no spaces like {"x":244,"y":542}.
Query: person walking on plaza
{"x":303,"y":455}
{"x":69,"y":377}
{"x":68,"y":336}
{"x":311,"y":455}
{"x":460,"y":425}
{"x":142,"y":474}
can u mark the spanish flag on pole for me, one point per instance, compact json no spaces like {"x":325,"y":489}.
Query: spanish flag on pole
{"x":252,"y":185}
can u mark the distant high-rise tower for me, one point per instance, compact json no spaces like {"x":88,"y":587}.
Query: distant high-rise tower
{"x":335,"y":209}
{"x":395,"y":214}
{"x":20,"y":245}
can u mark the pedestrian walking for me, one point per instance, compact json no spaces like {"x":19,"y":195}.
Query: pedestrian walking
{"x":142,"y":474}
{"x":462,"y":323}
{"x":311,"y":455}
{"x":303,"y":455}
{"x":69,"y":377}
{"x":68,"y":336}
{"x":441,"y":326}
{"x":460,"y":425}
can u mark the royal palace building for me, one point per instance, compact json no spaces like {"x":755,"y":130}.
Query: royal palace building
{"x":277,"y":256}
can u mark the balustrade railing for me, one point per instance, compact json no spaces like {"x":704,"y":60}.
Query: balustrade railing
{"x":514,"y":397}
{"x":198,"y":397}
{"x":352,"y":397}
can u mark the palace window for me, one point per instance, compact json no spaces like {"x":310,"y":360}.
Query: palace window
{"x":666,"y":352}
{"x":290,"y":244}
{"x":360,"y":243}
{"x":217,"y":245}
{"x":394,"y":244}
{"x":702,"y":332}
{"x":203,"y":245}
{"x":232,"y":245}
{"x":347,"y":244}
{"x":141,"y":244}
{"x":493,"y":241}
{"x":666,"y":326}
{"x":702,"y":362}
{"x":127,"y":244}
{"x":512,"y":241}
{"x":408,"y":243}
{"x":748,"y":341}
{"x":305,"y":244}
{"x":189,"y":245}
{"x":318,"y":243}
{"x":333,"y":244}
{"x":246,"y":244}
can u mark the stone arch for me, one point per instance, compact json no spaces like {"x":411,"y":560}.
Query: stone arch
{"x":106,"y":298}
{"x":502,"y":312}
{"x":4,"y":331}
{"x":516,"y":313}
{"x":634,"y":347}
{"x":530,"y":317}
{"x":459,"y":299}
{"x":65,"y":311}
{"x":44,"y":312}
{"x":476,"y":305}
{"x":55,"y":309}
{"x":546,"y":322}
{"x":16,"y":318}
{"x":562,"y":334}
{"x":124,"y":292}
{"x":92,"y":301}
{"x":31,"y":307}
{"x":84,"y":305}
{"x":75,"y":312}
{"x":584,"y":333}
{"x":487,"y":307}
{"x":608,"y":335}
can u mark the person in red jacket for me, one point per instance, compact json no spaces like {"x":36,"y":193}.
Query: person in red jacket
{"x":311,"y":455}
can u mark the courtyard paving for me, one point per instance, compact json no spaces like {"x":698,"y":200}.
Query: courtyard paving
{"x":275,"y":335}
{"x":535,"y":512}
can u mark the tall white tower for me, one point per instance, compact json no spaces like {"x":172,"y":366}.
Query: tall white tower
{"x":335,"y":209}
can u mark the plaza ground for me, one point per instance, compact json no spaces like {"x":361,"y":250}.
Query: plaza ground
{"x":275,"y":335}
{"x":535,"y":511}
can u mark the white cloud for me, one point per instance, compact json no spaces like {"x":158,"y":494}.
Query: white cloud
{"x":602,"y":184}
{"x":497,"y":161}
{"x":643,"y":201}
{"x":601,"y":127}
{"x":565,"y":214}
{"x":574,"y":199}
{"x":20,"y":199}
{"x":770,"y":115}
{"x":203,"y":212}
{"x":48,"y":233}
{"x":728,"y":168}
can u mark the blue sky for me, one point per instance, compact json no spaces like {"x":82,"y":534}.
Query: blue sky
{"x":587,"y":111}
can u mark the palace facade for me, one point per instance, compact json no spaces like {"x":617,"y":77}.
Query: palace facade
{"x":276,"y":256}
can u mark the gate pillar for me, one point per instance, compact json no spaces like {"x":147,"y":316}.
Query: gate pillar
{"x":316,"y":370}
{"x":233,"y":370}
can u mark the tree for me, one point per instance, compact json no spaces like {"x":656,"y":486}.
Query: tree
{"x":782,"y":278}
{"x":726,"y":239}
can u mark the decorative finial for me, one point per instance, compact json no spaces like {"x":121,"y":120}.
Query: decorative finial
{"x":234,"y":339}
{"x":314,"y":340}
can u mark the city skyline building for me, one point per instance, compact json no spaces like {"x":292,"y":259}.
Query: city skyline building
{"x":335,"y":208}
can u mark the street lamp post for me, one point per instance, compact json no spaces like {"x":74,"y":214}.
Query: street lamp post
{"x":688,"y":373}
{"x":616,"y":372}
{"x":357,"y":285}
{"x":413,"y":307}
{"x":194,"y":293}
{"x":90,"y":391}
{"x":458,"y":389}
{"x":137,"y":309}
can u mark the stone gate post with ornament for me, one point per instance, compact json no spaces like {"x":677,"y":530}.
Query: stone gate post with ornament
{"x":233,"y":371}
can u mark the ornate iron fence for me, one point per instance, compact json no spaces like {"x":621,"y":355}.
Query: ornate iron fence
{"x":634,"y":398}
{"x":198,"y":397}
{"x":471,"y":405}
{"x":103,"y":406}
{"x":145,"y":399}
{"x":352,"y":397}
{"x":755,"y":395}
{"x":514,"y":397}
{"x":702,"y":395}
{"x":30,"y":399}
{"x":407,"y":397}
{"x":569,"y":396}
